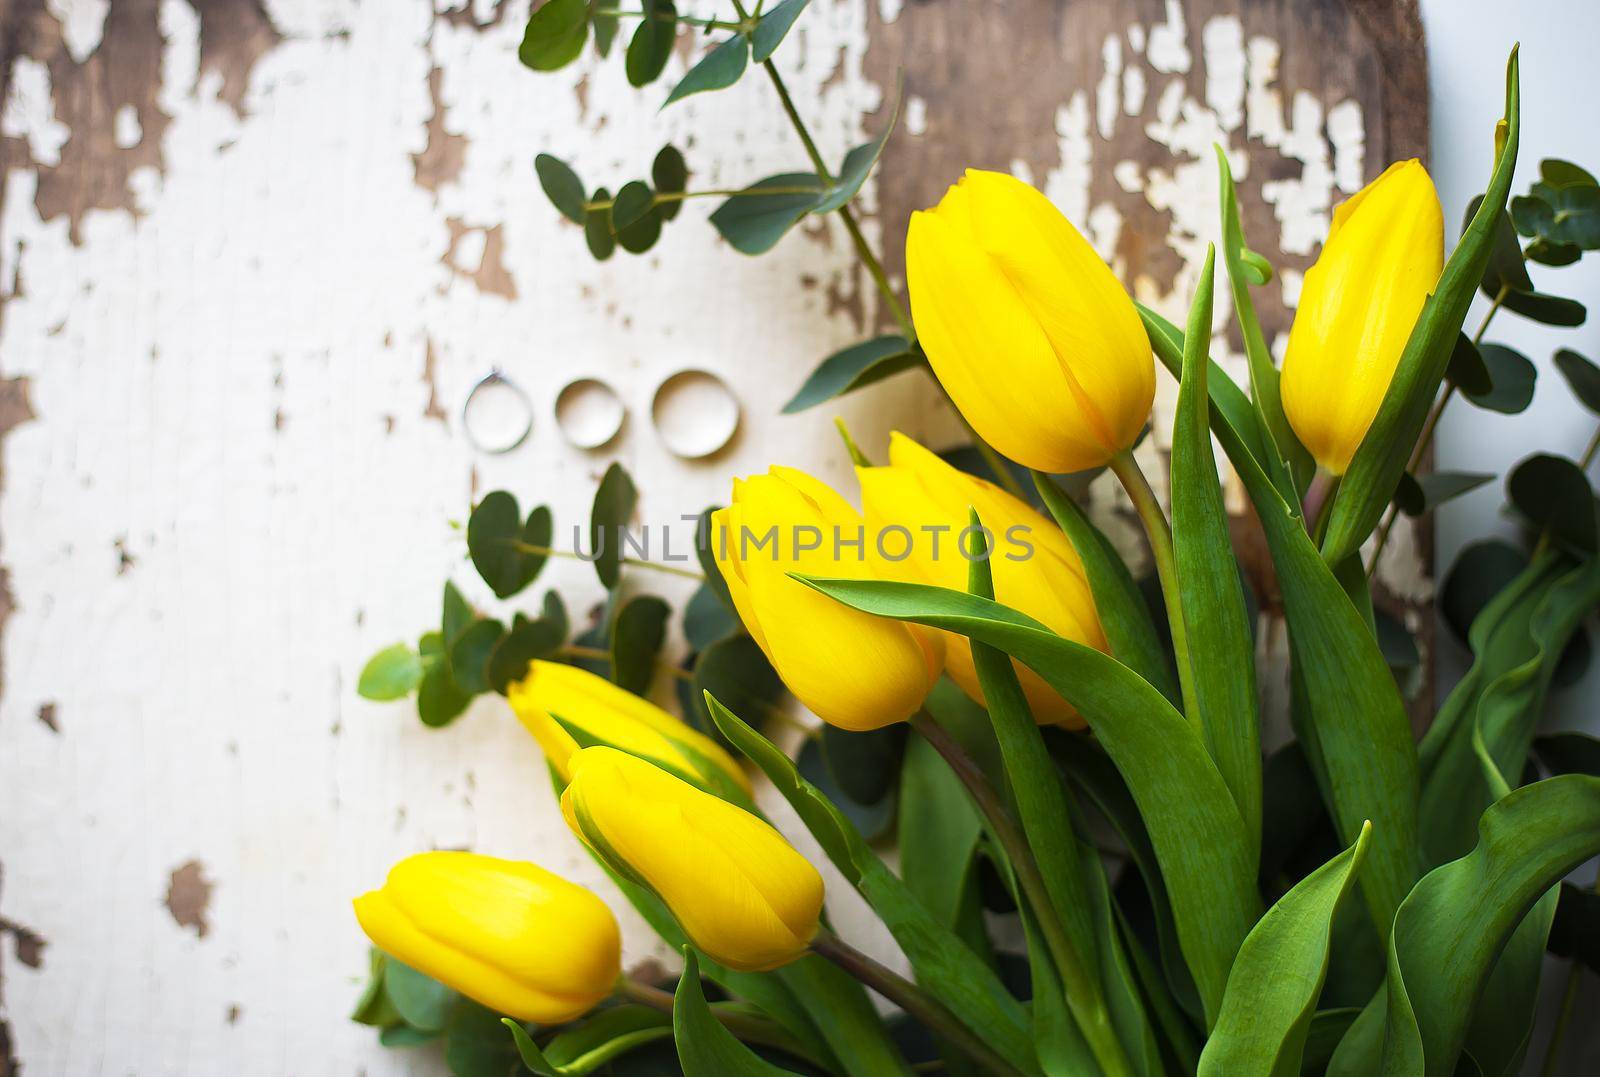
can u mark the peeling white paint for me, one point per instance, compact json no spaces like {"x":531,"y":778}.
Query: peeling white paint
{"x":125,"y":131}
{"x":916,"y":120}
{"x":30,"y":112}
{"x":82,"y":24}
{"x":1169,"y":45}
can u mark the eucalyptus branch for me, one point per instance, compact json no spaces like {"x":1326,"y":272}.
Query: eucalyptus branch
{"x":667,"y":16}
{"x":659,"y":197}
{"x":1159,"y":531}
{"x":911,"y":998}
{"x":654,"y":566}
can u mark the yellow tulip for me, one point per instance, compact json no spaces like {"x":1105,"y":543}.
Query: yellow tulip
{"x":1027,"y":329}
{"x":522,"y":941}
{"x":852,"y":669}
{"x":1358,"y":304}
{"x":1035,"y":568}
{"x":737,"y":888}
{"x":555,"y":697}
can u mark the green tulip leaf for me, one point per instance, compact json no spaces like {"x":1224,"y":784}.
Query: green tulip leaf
{"x":1178,"y":788}
{"x":1352,"y":722}
{"x":1554,"y":494}
{"x":854,"y":368}
{"x":1229,"y":404}
{"x":942,"y":962}
{"x":773,"y":28}
{"x":753,"y":220}
{"x":555,"y":34}
{"x":651,"y":44}
{"x":1452,"y":927}
{"x":1368,"y":484}
{"x":1124,"y":614}
{"x":614,"y":502}
{"x":670,"y":173}
{"x":597,"y":232}
{"x":1274,"y":985}
{"x":532,"y":1058}
{"x":717,"y":70}
{"x":1512,"y":377}
{"x":603,"y":1037}
{"x":507,"y":551}
{"x":561,"y":185}
{"x":940,"y":832}
{"x":1416,"y":496}
{"x":392,"y":673}
{"x":1221,"y":649}
{"x":638,"y":630}
{"x":1583,"y":378}
{"x":704,"y":1045}
{"x":1288,"y":463}
{"x":1506,"y":267}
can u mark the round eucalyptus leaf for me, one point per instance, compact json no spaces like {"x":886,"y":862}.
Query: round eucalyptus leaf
{"x":1574,"y":661}
{"x":614,"y":501}
{"x":1481,"y":571}
{"x":864,"y":765}
{"x":737,"y":673}
{"x":392,"y":673}
{"x":440,"y":700}
{"x":1554,"y":494}
{"x":424,"y":1003}
{"x":717,"y":69}
{"x":458,"y":615}
{"x":1512,"y":375}
{"x":707,"y":618}
{"x":633,"y":204}
{"x":1546,"y":309}
{"x":1415,"y":496}
{"x":561,"y":185}
{"x":873,"y":820}
{"x":1569,"y":752}
{"x":637,"y":633}
{"x":605,"y":31}
{"x":555,"y":34}
{"x":469,"y":655}
{"x":518,"y":648}
{"x":506,"y":550}
{"x":1549,"y":253}
{"x":651,"y":44}
{"x":1558,"y":173}
{"x":757,"y":217}
{"x":1505,"y":266}
{"x":476,"y":1044}
{"x":670,"y":173}
{"x":1467,"y":370}
{"x":597,"y":228}
{"x":1583,"y":377}
{"x":1532,"y":216}
{"x":642,"y":234}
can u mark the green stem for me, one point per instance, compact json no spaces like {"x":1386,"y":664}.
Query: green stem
{"x":746,"y":1026}
{"x":1083,"y":990}
{"x":654,"y":566}
{"x":911,"y":998}
{"x":1159,"y":531}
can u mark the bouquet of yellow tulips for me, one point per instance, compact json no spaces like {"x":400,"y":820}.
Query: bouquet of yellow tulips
{"x":1099,"y":869}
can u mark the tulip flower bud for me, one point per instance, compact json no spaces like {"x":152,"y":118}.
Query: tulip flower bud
{"x":555,"y":701}
{"x":1027,"y":329}
{"x":852,"y":669}
{"x":1035,"y":568}
{"x":522,"y":941}
{"x":737,"y":888}
{"x":1359,"y":302}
